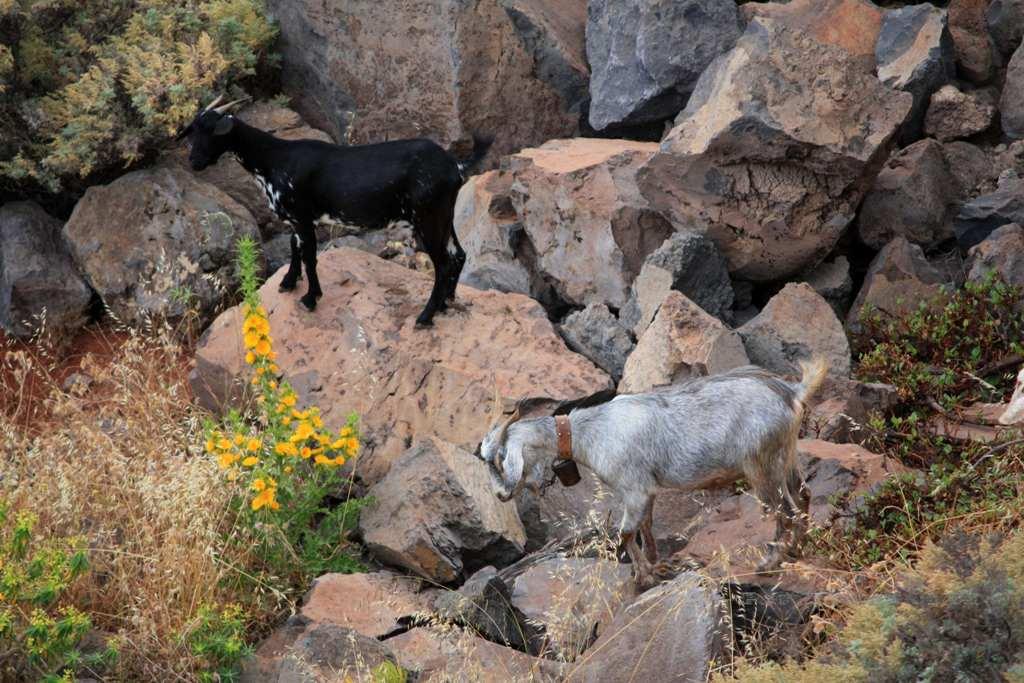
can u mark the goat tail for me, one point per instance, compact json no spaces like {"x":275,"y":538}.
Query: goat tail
{"x":814,"y":372}
{"x":481,"y":145}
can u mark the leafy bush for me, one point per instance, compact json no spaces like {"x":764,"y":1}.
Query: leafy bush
{"x":87,"y":85}
{"x":39,"y":632}
{"x":218,"y":640}
{"x":958,"y":616}
{"x":942,"y":349}
{"x":283,"y":466}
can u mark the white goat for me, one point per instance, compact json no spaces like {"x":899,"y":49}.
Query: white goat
{"x":703,"y":433}
{"x":1015,"y":410}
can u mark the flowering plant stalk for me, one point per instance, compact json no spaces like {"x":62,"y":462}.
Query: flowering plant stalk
{"x":281,"y":461}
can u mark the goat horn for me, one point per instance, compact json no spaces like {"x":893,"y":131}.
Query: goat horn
{"x":222,"y":109}
{"x":213,"y":104}
{"x":503,"y":429}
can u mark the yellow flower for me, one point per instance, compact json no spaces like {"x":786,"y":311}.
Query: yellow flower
{"x":272,"y":355}
{"x":239,"y":439}
{"x":250,"y":357}
{"x":265,"y":498}
{"x":261,"y":311}
{"x":250,"y":461}
{"x":260,"y":371}
{"x":262,"y":347}
{"x":232,"y":475}
{"x":251,"y":339}
{"x":286,"y":420}
{"x":323,"y":460}
{"x":274,"y":369}
{"x":226,"y":460}
{"x":288,"y":400}
{"x":302,"y":432}
{"x":210,"y":446}
{"x":259,"y":485}
{"x":339,"y":460}
{"x":253,"y":445}
{"x":288,"y":469}
{"x":345,"y":432}
{"x":306,"y":452}
{"x":272,"y":384}
{"x":317,"y":422}
{"x":286,"y":449}
{"x":255,"y":381}
{"x":223,"y":444}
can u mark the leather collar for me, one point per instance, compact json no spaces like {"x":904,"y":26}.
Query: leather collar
{"x":563,"y":431}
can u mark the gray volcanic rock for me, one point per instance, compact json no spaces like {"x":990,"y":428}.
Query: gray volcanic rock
{"x":646,"y":55}
{"x":598,"y":335}
{"x":770,"y":168}
{"x":915,"y":54}
{"x":1011,"y":104}
{"x":37,"y":277}
{"x":912,"y":196}
{"x":980,"y":216}
{"x":1005,"y":19}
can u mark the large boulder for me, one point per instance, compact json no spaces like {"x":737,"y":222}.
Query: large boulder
{"x":797,"y":324}
{"x":915,"y":54}
{"x":683,"y":342}
{"x":554,"y":33}
{"x":572,"y":599}
{"x":228,"y":175}
{"x":434,"y":514}
{"x":303,"y":652}
{"x":1011,"y":104}
{"x":38,"y":281}
{"x":832,"y":280}
{"x":852,"y":25}
{"x":374,"y":604}
{"x":360,"y":352}
{"x":772,"y":168}
{"x":954,"y":114}
{"x":688,"y":262}
{"x":898,"y":279}
{"x":646,"y":56}
{"x":1001,"y":252}
{"x":980,"y":216}
{"x":597,"y":334}
{"x":672,"y":631}
{"x":1005,"y":20}
{"x":489,"y":230}
{"x":368,"y":72}
{"x":158,"y":242}
{"x":971,"y":39}
{"x":914,"y":196}
{"x":588,"y":227}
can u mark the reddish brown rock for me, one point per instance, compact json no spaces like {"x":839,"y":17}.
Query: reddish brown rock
{"x":898,"y":279}
{"x":439,"y":655}
{"x":683,"y":342}
{"x":435,"y":514}
{"x":673,"y":630}
{"x":360,"y":352}
{"x":489,"y":230}
{"x":971,"y":39}
{"x":850,"y":24}
{"x":369,"y":72}
{"x":771,"y":170}
{"x":1002,"y":252}
{"x":371,"y":604}
{"x":954,"y":114}
{"x":797,"y":324}
{"x":588,"y":227}
{"x":315,"y":653}
{"x":573,"y":599}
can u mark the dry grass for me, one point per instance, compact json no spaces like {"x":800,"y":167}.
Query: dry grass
{"x":117,"y":459}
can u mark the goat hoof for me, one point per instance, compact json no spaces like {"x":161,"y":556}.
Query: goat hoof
{"x":308,"y":303}
{"x":422,"y":322}
{"x":286,"y":288}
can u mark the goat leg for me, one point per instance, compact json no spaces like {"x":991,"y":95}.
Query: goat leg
{"x":647,"y":533}
{"x":294,"y":273}
{"x":313,"y":292}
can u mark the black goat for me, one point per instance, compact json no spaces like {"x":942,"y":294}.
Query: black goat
{"x":309,"y":182}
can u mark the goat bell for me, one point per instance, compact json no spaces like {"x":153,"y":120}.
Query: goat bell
{"x":567,"y":472}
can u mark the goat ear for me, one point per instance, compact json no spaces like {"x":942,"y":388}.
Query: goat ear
{"x":595,"y":399}
{"x":224,"y":126}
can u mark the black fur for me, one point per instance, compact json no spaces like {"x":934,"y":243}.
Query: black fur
{"x":367,"y":185}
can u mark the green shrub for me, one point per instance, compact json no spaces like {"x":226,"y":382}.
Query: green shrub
{"x":218,"y":641}
{"x":958,"y":616}
{"x":39,"y":633}
{"x":933,"y":352}
{"x":100,"y":83}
